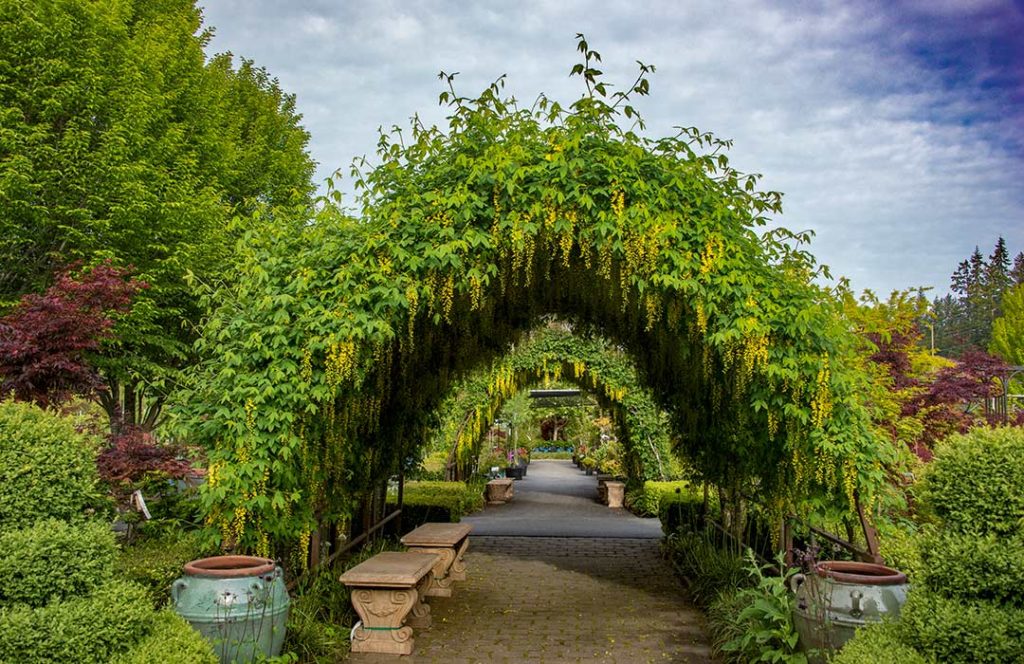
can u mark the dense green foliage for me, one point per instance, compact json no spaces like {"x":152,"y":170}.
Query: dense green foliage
{"x":154,"y":563}
{"x":121,"y":141}
{"x":976,"y":483}
{"x":648,"y":500}
{"x":948,"y":630}
{"x":171,"y":640}
{"x":327,"y":356}
{"x":89,"y":629}
{"x":878,"y":644}
{"x":966,"y":604}
{"x":551,"y":354}
{"x":1008,"y":329}
{"x":47,"y":468}
{"x":54,"y":560}
{"x":438,"y":501}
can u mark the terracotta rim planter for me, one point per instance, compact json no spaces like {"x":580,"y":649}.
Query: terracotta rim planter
{"x":230,"y":567}
{"x":862,"y":573}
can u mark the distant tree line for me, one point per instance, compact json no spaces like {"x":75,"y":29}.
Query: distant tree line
{"x":963,"y":320}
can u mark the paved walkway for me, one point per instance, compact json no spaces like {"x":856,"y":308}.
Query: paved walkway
{"x":556,"y":499}
{"x":587,"y":595}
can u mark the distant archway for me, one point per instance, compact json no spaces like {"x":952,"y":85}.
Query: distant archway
{"x":550,"y":354}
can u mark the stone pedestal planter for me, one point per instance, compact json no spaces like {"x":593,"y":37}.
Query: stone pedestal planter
{"x":499,"y":491}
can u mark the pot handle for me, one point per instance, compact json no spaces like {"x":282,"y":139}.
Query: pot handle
{"x":176,"y":588}
{"x":855,"y":597}
{"x":796,"y":581}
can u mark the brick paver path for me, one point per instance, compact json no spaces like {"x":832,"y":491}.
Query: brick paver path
{"x":562,"y":599}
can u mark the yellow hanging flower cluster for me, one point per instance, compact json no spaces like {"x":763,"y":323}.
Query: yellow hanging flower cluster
{"x":773,"y":424}
{"x":578,"y":368}
{"x":550,"y":216}
{"x":213,"y":473}
{"x":604,"y":259}
{"x":250,"y":415}
{"x":821,"y":404}
{"x":263,"y":545}
{"x":476,"y":289}
{"x":448,"y":297}
{"x":238,"y":525}
{"x":340,"y":363}
{"x":618,"y":202}
{"x":303,"y":549}
{"x":306,"y":368}
{"x":712,"y":254}
{"x":850,"y":482}
{"x":565,"y":240}
{"x":702,"y":319}
{"x":652,"y":310}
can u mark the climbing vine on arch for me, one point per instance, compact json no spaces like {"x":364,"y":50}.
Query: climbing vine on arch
{"x":551,"y":354}
{"x":334,"y":346}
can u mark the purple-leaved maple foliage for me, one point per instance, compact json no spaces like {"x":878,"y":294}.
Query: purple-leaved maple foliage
{"x":45,"y":340}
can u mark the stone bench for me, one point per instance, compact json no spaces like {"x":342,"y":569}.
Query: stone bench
{"x":387,"y":593}
{"x":611,"y":493}
{"x":499,"y":491}
{"x":448,"y":541}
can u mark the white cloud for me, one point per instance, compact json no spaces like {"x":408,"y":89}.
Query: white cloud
{"x":899,"y":173}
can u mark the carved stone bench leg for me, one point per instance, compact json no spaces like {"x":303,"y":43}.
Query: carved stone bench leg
{"x":458,"y":570}
{"x":419,"y":616}
{"x":441,"y":586}
{"x":383,"y":611}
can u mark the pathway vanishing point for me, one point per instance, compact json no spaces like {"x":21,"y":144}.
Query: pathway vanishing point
{"x":556,"y":577}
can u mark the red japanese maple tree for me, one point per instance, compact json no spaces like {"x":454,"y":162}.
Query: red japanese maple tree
{"x":45,"y":340}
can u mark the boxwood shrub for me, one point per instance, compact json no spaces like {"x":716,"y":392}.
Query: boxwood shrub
{"x":950,"y":630}
{"x":53,"y":560}
{"x":975,"y":484}
{"x":983,"y":567}
{"x":156,"y":562}
{"x":437,"y":501}
{"x":171,"y":640}
{"x":47,"y":468}
{"x":85,"y":630}
{"x":878,"y":643}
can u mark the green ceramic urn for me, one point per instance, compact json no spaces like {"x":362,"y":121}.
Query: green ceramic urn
{"x":238,"y":603}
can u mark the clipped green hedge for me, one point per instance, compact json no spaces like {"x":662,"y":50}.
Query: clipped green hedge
{"x":647,"y":500}
{"x":681,"y":505}
{"x":47,"y":468}
{"x":975,"y":484}
{"x":53,"y":560}
{"x":969,"y":567}
{"x":949,"y":630}
{"x":84,"y":630}
{"x":156,"y":562}
{"x":878,"y":643}
{"x":171,"y":640}
{"x":423,"y":502}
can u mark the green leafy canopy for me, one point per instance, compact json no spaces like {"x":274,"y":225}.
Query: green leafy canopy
{"x":329,"y":354}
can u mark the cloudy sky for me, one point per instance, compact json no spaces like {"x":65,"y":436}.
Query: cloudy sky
{"x":894,"y":129}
